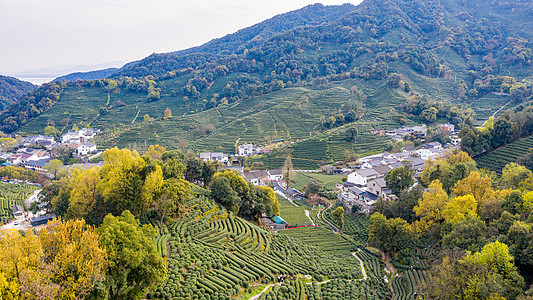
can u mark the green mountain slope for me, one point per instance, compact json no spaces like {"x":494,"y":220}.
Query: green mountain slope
{"x":290,"y":85}
{"x":236,"y":43}
{"x":12,"y":89}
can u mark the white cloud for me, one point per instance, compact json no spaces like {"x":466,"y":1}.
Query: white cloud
{"x":37,"y":33}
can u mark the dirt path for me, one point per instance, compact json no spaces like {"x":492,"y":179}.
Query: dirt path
{"x":387,"y":260}
{"x":32,"y":198}
{"x":263,"y":291}
{"x":325,"y":221}
{"x":308,"y":216}
{"x":361,"y":264}
{"x":494,"y":114}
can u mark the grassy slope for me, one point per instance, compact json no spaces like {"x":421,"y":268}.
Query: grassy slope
{"x":302,"y":179}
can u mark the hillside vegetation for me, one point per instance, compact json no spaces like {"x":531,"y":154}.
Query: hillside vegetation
{"x":12,"y":89}
{"x":312,"y":75}
{"x":97,"y":74}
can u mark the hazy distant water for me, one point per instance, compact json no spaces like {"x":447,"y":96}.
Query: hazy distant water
{"x":36,"y":81}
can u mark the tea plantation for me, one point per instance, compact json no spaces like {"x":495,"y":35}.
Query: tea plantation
{"x":214,"y":255}
{"x":12,"y":194}
{"x":497,"y":159}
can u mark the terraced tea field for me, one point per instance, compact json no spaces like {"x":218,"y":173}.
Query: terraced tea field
{"x":214,"y":255}
{"x":497,"y":159}
{"x":12,"y":194}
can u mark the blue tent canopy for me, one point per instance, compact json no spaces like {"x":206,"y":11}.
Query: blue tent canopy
{"x":279,"y":220}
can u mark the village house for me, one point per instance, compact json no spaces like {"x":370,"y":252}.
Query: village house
{"x":263,"y":177}
{"x":85,"y":149}
{"x":379,"y":188}
{"x":18,"y":211}
{"x":37,"y":165}
{"x":38,"y":140}
{"x":447,"y":127}
{"x":79,"y":137}
{"x":215,"y":156}
{"x":259,"y":178}
{"x":362,"y":176}
{"x":248,"y":150}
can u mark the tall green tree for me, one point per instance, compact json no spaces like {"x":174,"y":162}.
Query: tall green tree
{"x":399,"y":179}
{"x":389,"y":235}
{"x":135,"y":265}
{"x":487,"y":274}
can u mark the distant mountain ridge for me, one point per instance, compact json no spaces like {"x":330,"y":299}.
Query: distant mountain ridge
{"x":12,"y":89}
{"x":237,"y":42}
{"x":91,"y":75}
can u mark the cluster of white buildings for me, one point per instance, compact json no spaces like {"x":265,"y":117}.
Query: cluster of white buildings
{"x":365,"y":185}
{"x":248,"y":150}
{"x":399,"y":133}
{"x":30,"y":157}
{"x":215,"y":157}
{"x":263,"y":177}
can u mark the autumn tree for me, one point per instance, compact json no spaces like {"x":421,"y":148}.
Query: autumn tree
{"x":459,"y":208}
{"x":269,"y":201}
{"x":146,"y":118}
{"x":20,"y":261}
{"x":53,"y":167}
{"x":513,"y":174}
{"x":153,"y":185}
{"x":83,"y":192}
{"x":480,"y":187}
{"x":135,"y":266}
{"x":155,"y":152}
{"x":72,"y":250}
{"x":172,"y":197}
{"x":487,"y":274}
{"x":448,"y":169}
{"x":430,"y":208}
{"x":121,"y":183}
{"x":168,"y":113}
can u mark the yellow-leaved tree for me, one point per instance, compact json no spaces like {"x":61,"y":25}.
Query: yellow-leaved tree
{"x":120,"y":186}
{"x":152,"y":186}
{"x":155,"y":151}
{"x":488,"y":200}
{"x":459,"y":208}
{"x":64,"y":261}
{"x":430,"y":208}
{"x":83,"y":192}
{"x":72,"y":251}
{"x":20,"y":260}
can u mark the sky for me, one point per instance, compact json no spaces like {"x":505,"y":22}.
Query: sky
{"x":45,"y":34}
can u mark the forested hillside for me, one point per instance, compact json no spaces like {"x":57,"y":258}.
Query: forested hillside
{"x":12,"y":89}
{"x":368,"y":61}
{"x":98,"y":74}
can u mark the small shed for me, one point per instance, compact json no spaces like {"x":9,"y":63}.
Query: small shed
{"x":18,"y":210}
{"x":42,"y":219}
